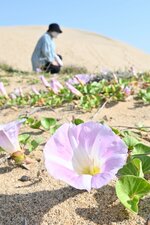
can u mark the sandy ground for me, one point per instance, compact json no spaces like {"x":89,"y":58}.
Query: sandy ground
{"x":45,"y":201}
{"x":78,"y":48}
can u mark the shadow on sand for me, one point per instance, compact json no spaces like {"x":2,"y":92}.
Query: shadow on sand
{"x":105,"y":212}
{"x":14,"y":209}
{"x":108,"y":212}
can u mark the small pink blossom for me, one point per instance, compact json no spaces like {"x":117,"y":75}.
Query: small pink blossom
{"x":56,"y":86}
{"x":73,"y":89}
{"x":9,"y":136}
{"x":133,"y":71}
{"x":83,"y":78}
{"x":18,"y":92}
{"x":3,"y":90}
{"x":44,"y":81}
{"x":80,"y":79}
{"x":38,"y":70}
{"x":127,"y":91}
{"x":12,"y":95}
{"x":35,"y":91}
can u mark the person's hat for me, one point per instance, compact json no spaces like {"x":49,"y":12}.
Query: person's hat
{"x":54,"y":27}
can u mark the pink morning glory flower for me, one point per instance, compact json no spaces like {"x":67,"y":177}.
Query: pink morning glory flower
{"x":9,"y":136}
{"x":35,"y":91}
{"x":73,"y":89}
{"x":84,"y":78}
{"x":127,"y":91}
{"x":81,"y":78}
{"x":133,"y":71}
{"x":18,"y":92}
{"x":12,"y":96}
{"x":73,"y":81}
{"x":3,"y":90}
{"x":56,"y":86}
{"x":44,"y":81}
{"x":38,"y":70}
{"x":85,"y":156}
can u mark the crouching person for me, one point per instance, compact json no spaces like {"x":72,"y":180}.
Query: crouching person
{"x":44,"y":56}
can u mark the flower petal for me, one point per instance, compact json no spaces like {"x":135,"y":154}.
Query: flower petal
{"x":9,"y":136}
{"x":6,"y":143}
{"x":101,"y":179}
{"x":114,"y":163}
{"x":44,"y":81}
{"x":69,"y":176}
{"x":73,"y":89}
{"x":59,"y":145}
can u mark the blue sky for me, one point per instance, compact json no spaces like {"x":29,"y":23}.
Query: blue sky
{"x":126,"y":20}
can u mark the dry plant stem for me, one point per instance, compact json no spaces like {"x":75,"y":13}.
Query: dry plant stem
{"x":27,"y":114}
{"x":130,"y":127}
{"x":98,"y":111}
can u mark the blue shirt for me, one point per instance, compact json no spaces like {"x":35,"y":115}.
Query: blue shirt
{"x":44,"y":52}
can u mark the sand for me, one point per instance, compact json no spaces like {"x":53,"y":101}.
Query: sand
{"x":79,"y":48}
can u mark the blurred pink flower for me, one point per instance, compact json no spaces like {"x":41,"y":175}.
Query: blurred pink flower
{"x":81,"y":78}
{"x":35,"y":91}
{"x":73,"y":81}
{"x":12,"y":96}
{"x":44,"y":81}
{"x":3,"y":90}
{"x":133,"y":71}
{"x":38,"y":70}
{"x":73,"y":89}
{"x":9,"y":136}
{"x":56,"y":86}
{"x":127,"y":91}
{"x":18,"y":92}
{"x":85,"y":156}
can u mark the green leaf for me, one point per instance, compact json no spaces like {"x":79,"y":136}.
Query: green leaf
{"x":23,"y":138}
{"x":145,"y":163}
{"x":115,"y":130}
{"x":54,"y":128}
{"x":48,"y":122}
{"x":77,"y":121}
{"x":130,"y":189}
{"x":30,"y":120}
{"x":1,"y":149}
{"x":34,"y":144}
{"x":134,"y":167}
{"x":36,"y":124}
{"x":33,"y":123}
{"x":130,"y":141}
{"x":140,"y":149}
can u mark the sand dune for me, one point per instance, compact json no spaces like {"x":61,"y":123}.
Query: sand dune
{"x":77,"y":47}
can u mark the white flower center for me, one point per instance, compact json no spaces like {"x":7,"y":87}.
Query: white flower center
{"x":85,"y":164}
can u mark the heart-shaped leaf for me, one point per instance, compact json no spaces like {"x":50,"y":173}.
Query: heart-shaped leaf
{"x":48,"y":122}
{"x":130,"y":141}
{"x":134,"y":167}
{"x":130,"y":189}
{"x":141,"y":149}
{"x":145,"y":159}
